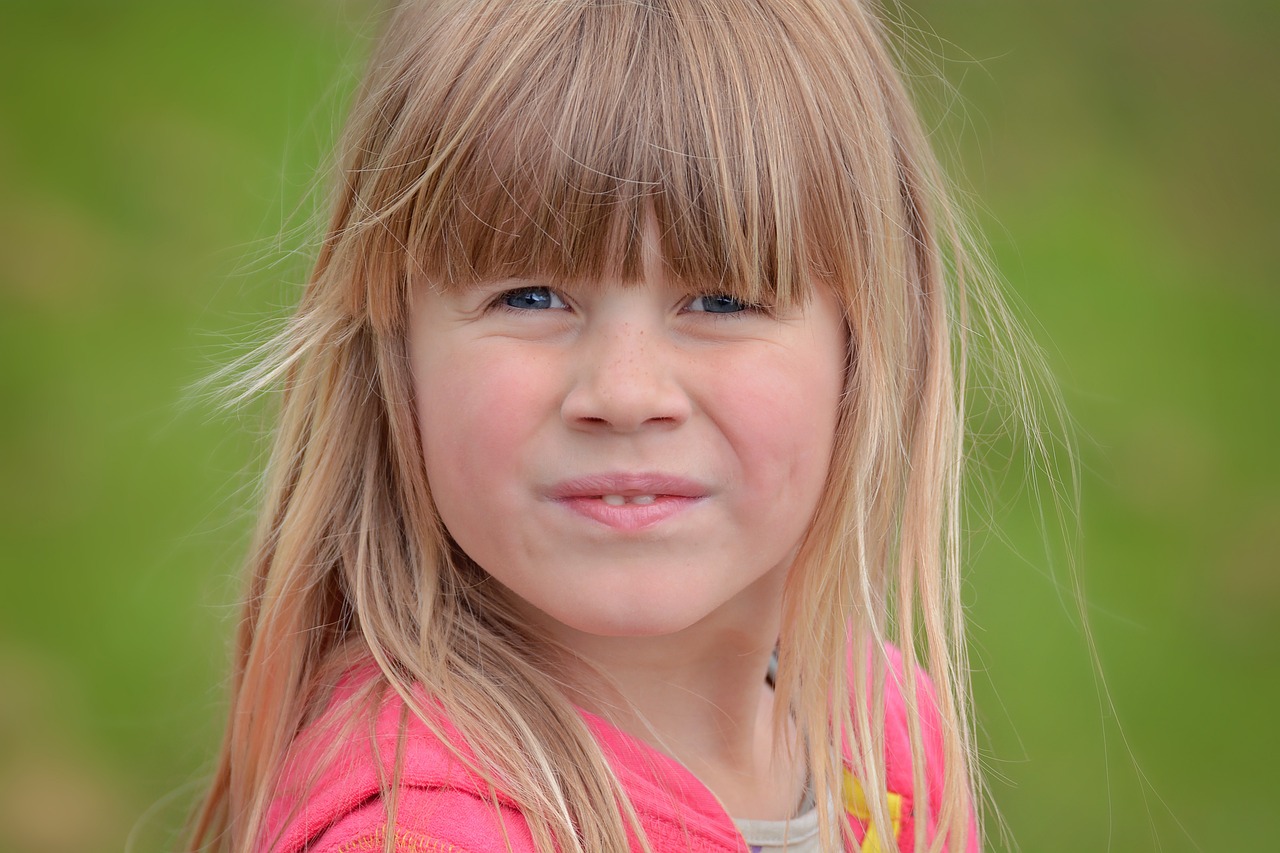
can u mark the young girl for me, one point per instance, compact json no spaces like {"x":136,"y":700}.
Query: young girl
{"x":614,"y":499}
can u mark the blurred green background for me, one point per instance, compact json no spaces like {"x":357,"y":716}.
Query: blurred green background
{"x":156,"y":161}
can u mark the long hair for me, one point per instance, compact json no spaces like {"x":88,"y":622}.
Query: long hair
{"x":775,"y":146}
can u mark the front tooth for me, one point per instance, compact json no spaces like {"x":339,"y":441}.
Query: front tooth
{"x":644,"y":500}
{"x":613,"y":500}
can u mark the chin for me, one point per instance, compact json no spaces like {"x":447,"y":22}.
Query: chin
{"x":658,"y":621}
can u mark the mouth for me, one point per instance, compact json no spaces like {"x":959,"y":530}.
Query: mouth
{"x":618,"y":489}
{"x":628,"y":502}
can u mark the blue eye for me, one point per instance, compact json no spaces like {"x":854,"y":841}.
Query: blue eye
{"x":531,"y":299}
{"x":718,"y":303}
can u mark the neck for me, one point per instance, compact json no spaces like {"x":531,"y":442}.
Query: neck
{"x":700,"y":696}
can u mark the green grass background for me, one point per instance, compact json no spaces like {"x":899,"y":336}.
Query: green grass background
{"x":155,"y":161}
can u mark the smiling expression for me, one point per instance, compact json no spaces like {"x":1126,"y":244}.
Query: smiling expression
{"x":628,"y":460}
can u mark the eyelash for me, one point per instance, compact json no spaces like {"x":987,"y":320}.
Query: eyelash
{"x":500,"y":302}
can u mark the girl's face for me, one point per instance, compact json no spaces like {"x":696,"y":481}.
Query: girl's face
{"x":627,"y":459}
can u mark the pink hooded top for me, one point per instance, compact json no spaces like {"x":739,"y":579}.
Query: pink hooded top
{"x":445,"y":808}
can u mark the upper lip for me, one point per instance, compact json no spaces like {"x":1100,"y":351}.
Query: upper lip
{"x":628,"y":484}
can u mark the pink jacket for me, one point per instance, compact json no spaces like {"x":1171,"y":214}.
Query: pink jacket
{"x":443,"y":808}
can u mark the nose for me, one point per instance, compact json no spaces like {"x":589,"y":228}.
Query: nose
{"x":627,"y":378}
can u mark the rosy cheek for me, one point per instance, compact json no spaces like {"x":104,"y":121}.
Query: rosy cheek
{"x":785,"y":424}
{"x":476,"y":415}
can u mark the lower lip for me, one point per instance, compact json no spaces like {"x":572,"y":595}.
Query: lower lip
{"x":629,"y":516}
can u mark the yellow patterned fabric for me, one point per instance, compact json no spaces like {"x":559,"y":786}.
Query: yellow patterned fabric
{"x":855,"y":802}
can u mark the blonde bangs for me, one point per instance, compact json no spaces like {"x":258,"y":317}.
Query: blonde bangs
{"x":541,"y":142}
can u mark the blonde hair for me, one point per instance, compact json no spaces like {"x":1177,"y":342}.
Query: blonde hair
{"x":775,"y":146}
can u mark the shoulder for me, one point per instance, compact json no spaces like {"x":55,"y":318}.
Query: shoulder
{"x":910,"y":693}
{"x":335,"y":789}
{"x":428,"y":820}
{"x":905,"y":694}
